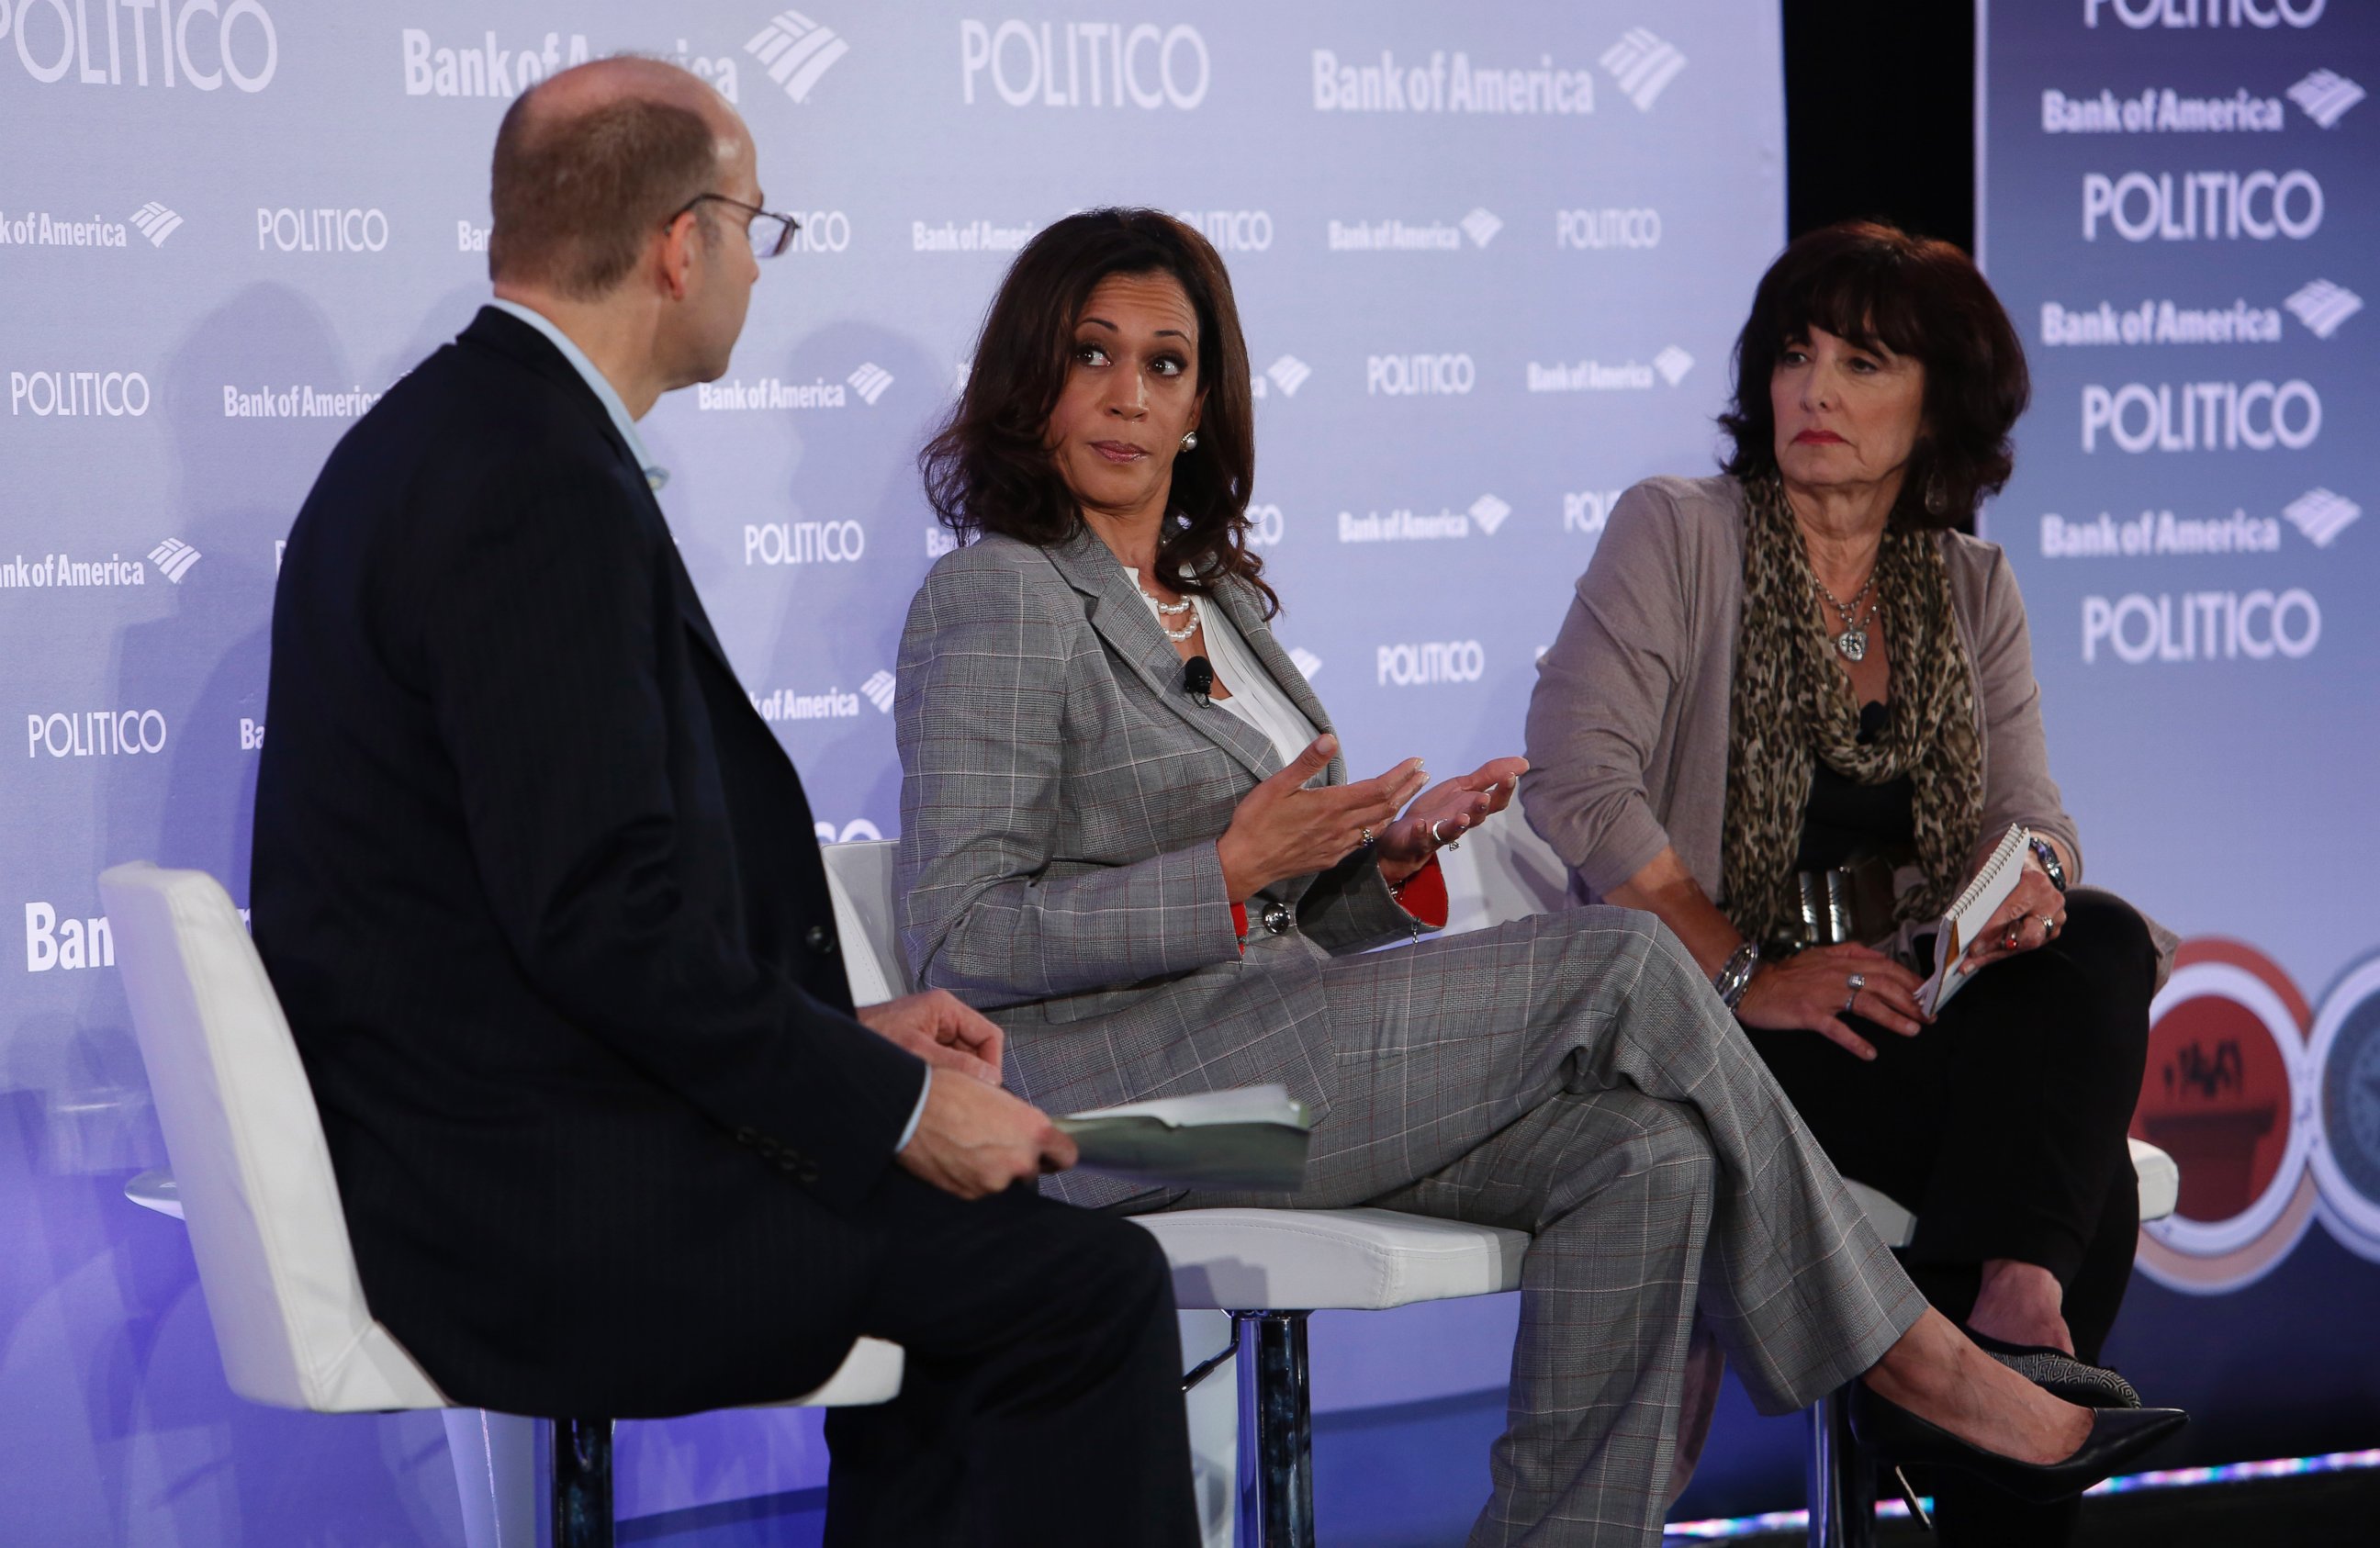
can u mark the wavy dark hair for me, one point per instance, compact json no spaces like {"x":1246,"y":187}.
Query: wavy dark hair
{"x":1873,"y":283}
{"x":988,"y":470}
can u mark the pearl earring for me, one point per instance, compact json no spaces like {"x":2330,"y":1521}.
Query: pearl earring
{"x":1190,"y":442}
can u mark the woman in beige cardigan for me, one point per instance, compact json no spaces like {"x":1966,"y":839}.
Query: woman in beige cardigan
{"x":1790,"y":712}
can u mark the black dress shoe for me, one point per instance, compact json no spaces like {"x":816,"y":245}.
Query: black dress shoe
{"x":2059,"y":1374}
{"x":2116,"y":1436}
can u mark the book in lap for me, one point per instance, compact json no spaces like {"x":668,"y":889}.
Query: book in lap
{"x":1967,"y":915}
{"x":1255,"y":1138}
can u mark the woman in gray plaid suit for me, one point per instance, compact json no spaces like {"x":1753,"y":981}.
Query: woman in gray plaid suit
{"x":1156,"y":892}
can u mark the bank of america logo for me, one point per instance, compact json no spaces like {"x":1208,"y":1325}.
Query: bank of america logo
{"x":2321,"y":515}
{"x":1490,"y":513}
{"x":878,"y":690}
{"x":2326,"y":96}
{"x":1673,"y":364}
{"x":1289,"y":373}
{"x":2323,"y":306}
{"x":1481,"y":227}
{"x":796,"y":51}
{"x":1644,"y":66}
{"x":1305,"y":661}
{"x":156,"y":223}
{"x":174,"y":557}
{"x":870,"y":381}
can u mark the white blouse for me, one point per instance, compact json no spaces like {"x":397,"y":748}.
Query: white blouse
{"x":1256,"y":698}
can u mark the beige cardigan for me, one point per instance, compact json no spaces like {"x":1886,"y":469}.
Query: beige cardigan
{"x":1627,"y":729}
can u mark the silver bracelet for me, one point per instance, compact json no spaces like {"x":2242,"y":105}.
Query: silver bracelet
{"x":1735,"y":976}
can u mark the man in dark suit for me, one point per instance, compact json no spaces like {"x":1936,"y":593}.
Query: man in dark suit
{"x":541,"y":894}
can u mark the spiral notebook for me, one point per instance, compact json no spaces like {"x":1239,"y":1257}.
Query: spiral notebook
{"x":1255,"y":1137}
{"x":1967,"y":915}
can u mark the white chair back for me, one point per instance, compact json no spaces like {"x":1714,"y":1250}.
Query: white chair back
{"x":249,"y":1161}
{"x":859,"y":878}
{"x":1501,"y":873}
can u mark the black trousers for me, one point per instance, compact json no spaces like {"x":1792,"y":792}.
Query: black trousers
{"x":1041,"y":1403}
{"x":2002,"y":1125}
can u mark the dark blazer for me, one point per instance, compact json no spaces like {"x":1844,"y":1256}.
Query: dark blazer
{"x":541,"y":895}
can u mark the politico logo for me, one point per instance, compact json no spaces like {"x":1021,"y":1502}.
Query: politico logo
{"x":53,"y":944}
{"x":78,"y":395}
{"x":1231,"y":231}
{"x":1451,"y":85}
{"x":1288,"y":374}
{"x":1405,"y":376}
{"x":821,"y":231}
{"x":2202,"y":206}
{"x":2141,"y":14}
{"x":1266,"y":527}
{"x":1406,"y":524}
{"x":2324,"y":96}
{"x":236,"y":42}
{"x":96,"y":734}
{"x":1394,"y":236}
{"x":2256,"y":625}
{"x":2201,"y":416}
{"x":2161,"y":112}
{"x":804,"y":542}
{"x":1597,"y":230}
{"x":320,"y":231}
{"x":1085,"y":63}
{"x":1429,"y":661}
{"x":796,"y":52}
{"x":1588,"y":511}
{"x":1593,"y":376}
{"x":1643,"y":65}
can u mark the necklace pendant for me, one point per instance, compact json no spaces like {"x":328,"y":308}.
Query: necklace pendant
{"x":1851,"y":645}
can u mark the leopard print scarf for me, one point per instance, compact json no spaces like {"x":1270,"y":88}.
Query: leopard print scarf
{"x":1791,"y":706}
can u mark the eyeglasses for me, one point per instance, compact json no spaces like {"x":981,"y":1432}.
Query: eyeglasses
{"x":769,"y":232}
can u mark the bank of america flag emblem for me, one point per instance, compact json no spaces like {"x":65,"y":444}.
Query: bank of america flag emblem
{"x":174,"y":557}
{"x":155,"y":222}
{"x":1643,"y":64}
{"x":1673,"y":364}
{"x":2321,"y":515}
{"x":1305,"y":661}
{"x":2326,"y":96}
{"x":796,"y":51}
{"x":1481,"y":227}
{"x":870,"y":381}
{"x":1289,"y":373}
{"x":2323,"y":306}
{"x":1490,"y":513}
{"x":878,"y":690}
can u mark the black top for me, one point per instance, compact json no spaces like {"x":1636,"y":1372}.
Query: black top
{"x":539,"y":894}
{"x":1847,"y":821}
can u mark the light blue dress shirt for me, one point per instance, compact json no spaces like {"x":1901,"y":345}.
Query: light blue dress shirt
{"x":656,"y":476}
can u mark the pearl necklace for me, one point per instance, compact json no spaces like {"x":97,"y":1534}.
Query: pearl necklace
{"x":1172,"y":609}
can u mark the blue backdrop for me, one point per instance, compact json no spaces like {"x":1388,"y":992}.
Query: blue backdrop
{"x":1490,"y":261}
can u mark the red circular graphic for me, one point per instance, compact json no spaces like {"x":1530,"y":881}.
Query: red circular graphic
{"x":2216,"y":1095}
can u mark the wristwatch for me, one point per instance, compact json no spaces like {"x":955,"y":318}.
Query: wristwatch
{"x":2046,"y":852}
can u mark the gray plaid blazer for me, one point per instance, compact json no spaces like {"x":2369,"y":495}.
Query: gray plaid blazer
{"x":1060,"y":796}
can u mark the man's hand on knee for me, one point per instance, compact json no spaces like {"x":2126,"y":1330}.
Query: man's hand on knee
{"x":974,"y":1138}
{"x":942,"y":1030}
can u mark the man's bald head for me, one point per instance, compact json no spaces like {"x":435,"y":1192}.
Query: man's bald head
{"x":588,"y":165}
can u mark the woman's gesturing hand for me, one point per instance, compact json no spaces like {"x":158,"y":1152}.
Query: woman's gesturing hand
{"x":1812,"y":991}
{"x":2032,"y":916}
{"x":1280,"y":828}
{"x":1445,"y":813}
